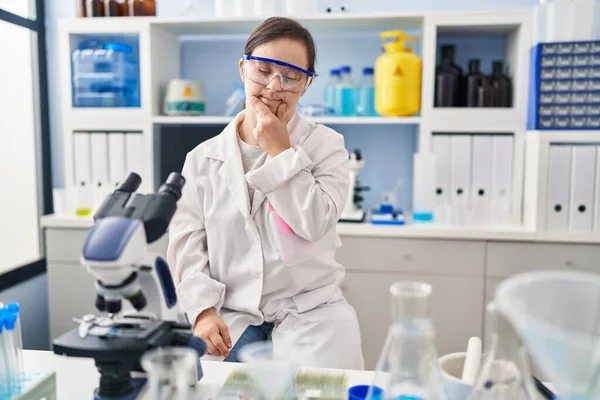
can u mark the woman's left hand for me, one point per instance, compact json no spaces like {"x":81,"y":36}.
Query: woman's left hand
{"x":271,"y":130}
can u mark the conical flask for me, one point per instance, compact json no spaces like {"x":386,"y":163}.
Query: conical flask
{"x":505,"y":372}
{"x":407,"y":368}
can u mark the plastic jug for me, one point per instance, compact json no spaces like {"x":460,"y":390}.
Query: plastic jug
{"x":397,"y":77}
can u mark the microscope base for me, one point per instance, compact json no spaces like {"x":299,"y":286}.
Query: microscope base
{"x":353,"y":216}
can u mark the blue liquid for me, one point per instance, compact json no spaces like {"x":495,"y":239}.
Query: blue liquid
{"x":345,"y":101}
{"x":330,"y":98}
{"x":365,"y":102}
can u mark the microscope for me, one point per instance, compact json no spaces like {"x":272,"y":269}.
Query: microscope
{"x":353,"y":210}
{"x":116,"y":254}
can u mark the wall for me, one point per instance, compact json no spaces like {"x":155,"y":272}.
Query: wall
{"x":32,"y":296}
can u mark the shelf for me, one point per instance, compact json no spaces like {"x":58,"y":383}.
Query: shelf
{"x":318,"y":23}
{"x":223,"y":120}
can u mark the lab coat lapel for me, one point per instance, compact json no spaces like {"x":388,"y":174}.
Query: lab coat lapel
{"x":298,"y":129}
{"x":232,"y":170}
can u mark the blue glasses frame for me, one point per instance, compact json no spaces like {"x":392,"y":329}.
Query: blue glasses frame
{"x":281,"y":63}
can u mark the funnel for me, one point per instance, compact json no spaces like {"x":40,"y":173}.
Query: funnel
{"x":557,"y":314}
{"x":272,"y":374}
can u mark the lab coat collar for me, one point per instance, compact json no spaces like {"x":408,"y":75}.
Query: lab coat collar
{"x":226,"y":149}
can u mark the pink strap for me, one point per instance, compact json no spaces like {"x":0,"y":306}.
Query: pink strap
{"x":283,"y":226}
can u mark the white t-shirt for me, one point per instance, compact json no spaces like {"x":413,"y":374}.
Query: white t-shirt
{"x":253,"y":157}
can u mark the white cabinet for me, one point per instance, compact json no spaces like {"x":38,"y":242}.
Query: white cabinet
{"x":455,"y":307}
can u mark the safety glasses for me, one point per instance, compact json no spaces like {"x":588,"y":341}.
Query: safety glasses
{"x":263,"y":70}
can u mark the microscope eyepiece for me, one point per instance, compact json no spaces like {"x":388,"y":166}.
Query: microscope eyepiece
{"x":138,"y":300}
{"x":130,"y":184}
{"x":100,"y":303}
{"x":173,"y":185}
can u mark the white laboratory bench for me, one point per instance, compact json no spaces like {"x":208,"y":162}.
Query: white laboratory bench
{"x":464,"y":265}
{"x":76,"y":378}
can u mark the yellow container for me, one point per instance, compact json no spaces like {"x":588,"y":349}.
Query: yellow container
{"x":397,"y":77}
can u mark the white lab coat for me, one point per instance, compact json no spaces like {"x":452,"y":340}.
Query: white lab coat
{"x":225,"y":254}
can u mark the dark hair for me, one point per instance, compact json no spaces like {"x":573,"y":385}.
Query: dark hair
{"x":276,"y":28}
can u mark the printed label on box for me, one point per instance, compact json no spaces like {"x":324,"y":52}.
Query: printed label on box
{"x":562,"y":122}
{"x":578,"y":110}
{"x":594,"y":72}
{"x":562,"y":110}
{"x":581,"y":72}
{"x":564,"y":73}
{"x":581,"y":60}
{"x":593,"y":110}
{"x":549,"y":48}
{"x":564,"y":61}
{"x":548,"y":61}
{"x":547,"y":86}
{"x":564,"y":48}
{"x":594,"y":97}
{"x":581,"y":48}
{"x":546,"y":122}
{"x":594,"y":47}
{"x":578,"y":122}
{"x":562,"y":98}
{"x":580,"y":85}
{"x":546,"y":98}
{"x":546,"y":111}
{"x":593,"y":122}
{"x":579,"y":98}
{"x":595,"y":60}
{"x":548,"y":73}
{"x":563,"y":86}
{"x":594,"y":84}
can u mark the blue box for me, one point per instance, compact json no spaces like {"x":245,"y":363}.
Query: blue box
{"x":565,"y":86}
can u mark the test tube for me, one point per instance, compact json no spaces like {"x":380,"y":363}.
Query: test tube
{"x":10,"y":322}
{"x":4,"y":360}
{"x":18,"y":335}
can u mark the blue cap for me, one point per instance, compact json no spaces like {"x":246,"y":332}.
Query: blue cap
{"x":334,"y":72}
{"x":10,"y":320}
{"x":368,"y":71}
{"x":345,"y":69}
{"x":13,"y":307}
{"x":360,"y":392}
{"x":121,"y":47}
{"x":1,"y":321}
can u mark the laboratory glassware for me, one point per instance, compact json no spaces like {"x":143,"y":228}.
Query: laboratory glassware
{"x":365,"y":96}
{"x":505,"y":371}
{"x":172,"y":373}
{"x":271,"y":372}
{"x":330,"y":89}
{"x":501,"y":85}
{"x":449,"y":80}
{"x":485,"y":96}
{"x":407,"y":367}
{"x":142,"y":8}
{"x":557,"y":314}
{"x":473,"y":82}
{"x":95,"y":8}
{"x":345,"y":93}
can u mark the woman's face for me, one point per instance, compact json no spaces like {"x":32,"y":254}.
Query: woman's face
{"x":290,"y":51}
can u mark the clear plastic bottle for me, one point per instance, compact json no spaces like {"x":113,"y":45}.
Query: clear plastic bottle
{"x":407,"y":368}
{"x":365,"y":97}
{"x":345,"y":93}
{"x":505,"y":371}
{"x":330,"y":89}
{"x":14,"y":309}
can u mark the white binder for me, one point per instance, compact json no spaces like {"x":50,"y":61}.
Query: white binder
{"x":99,"y":146}
{"x":582,"y":188}
{"x":441,"y":153}
{"x":116,"y":159}
{"x":502,"y":179}
{"x":82,"y":163}
{"x":460,"y":178}
{"x":481,"y":179}
{"x":597,"y":192}
{"x":559,"y":176}
{"x":134,"y":154}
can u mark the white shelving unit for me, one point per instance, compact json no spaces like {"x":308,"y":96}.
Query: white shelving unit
{"x":160,"y":57}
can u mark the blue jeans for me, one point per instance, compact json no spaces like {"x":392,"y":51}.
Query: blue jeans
{"x":252,"y":334}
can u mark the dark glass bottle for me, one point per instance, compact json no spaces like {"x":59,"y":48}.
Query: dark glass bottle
{"x":126,"y":10}
{"x":446,"y":68}
{"x":146,"y":8}
{"x":502,"y":85}
{"x":485,"y":96}
{"x":94,"y":8}
{"x":81,"y":8}
{"x":473,"y":83}
{"x":112,"y":8}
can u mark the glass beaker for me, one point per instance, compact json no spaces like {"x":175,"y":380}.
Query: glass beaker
{"x":172,"y":373}
{"x":407,"y":368}
{"x":505,"y":372}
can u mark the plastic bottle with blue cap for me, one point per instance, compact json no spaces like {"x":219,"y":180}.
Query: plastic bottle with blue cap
{"x":365,"y":94}
{"x":5,"y":360}
{"x":330,"y":90}
{"x":15,"y":309}
{"x":345,"y":93}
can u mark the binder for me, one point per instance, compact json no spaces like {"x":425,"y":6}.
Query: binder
{"x":441,"y":152}
{"x":460,"y":178}
{"x":583,"y":173}
{"x":502,"y":179}
{"x":116,"y":159}
{"x":481,"y":179}
{"x":82,"y":164}
{"x":99,"y":148}
{"x":134,"y":154}
{"x":559,"y":176}
{"x":597,"y":192}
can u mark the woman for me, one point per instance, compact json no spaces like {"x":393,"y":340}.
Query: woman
{"x":254,"y":238}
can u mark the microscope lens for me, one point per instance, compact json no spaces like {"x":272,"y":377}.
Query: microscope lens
{"x":113,"y":306}
{"x":138,"y":301}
